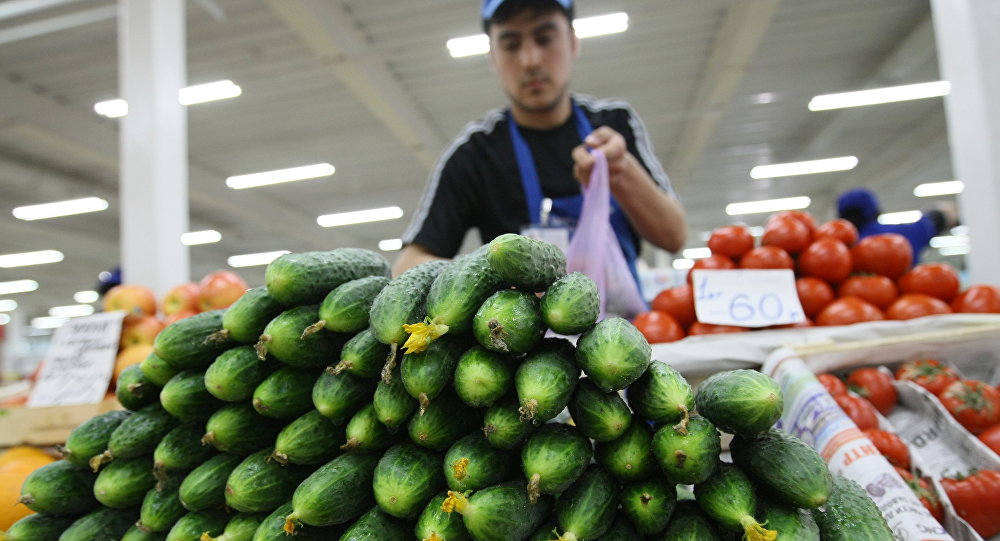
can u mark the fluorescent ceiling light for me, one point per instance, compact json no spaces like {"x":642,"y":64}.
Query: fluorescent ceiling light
{"x":768,"y":205}
{"x":207,"y":236}
{"x":902,"y":217}
{"x":931,"y":189}
{"x":955,"y":250}
{"x":697,"y":253}
{"x":587,"y":27}
{"x":48,"y":322}
{"x":253,"y":260}
{"x":278,"y":176}
{"x":843,"y":163}
{"x":17,"y":286}
{"x":115,"y":108}
{"x":60,"y":208}
{"x":949,"y":241}
{"x":8,"y":305}
{"x":73,"y":310}
{"x":756,"y":231}
{"x":360,"y":216}
{"x":25,"y":259}
{"x":217,"y":90}
{"x":84,"y":297}
{"x":876,"y":96}
{"x":4,"y":319}
{"x":683,"y":264}
{"x":390,"y":245}
{"x":961,"y":230}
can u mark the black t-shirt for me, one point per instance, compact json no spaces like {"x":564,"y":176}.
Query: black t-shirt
{"x":477,"y":183}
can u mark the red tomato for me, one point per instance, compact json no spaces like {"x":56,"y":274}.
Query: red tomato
{"x":707,"y":328}
{"x":658,"y":327}
{"x":888,"y":254}
{"x":713,"y":262}
{"x":861,"y":411}
{"x":767,"y":257}
{"x":678,"y":302}
{"x":731,"y":241}
{"x":928,"y":373}
{"x":839,"y":229}
{"x":924,"y":491}
{"x":848,"y":310}
{"x":875,"y":386}
{"x":991,"y":437}
{"x":891,"y":447}
{"x":978,"y":299}
{"x":913,"y":305}
{"x":826,"y":258}
{"x":800,"y":215}
{"x":873,"y":288}
{"x":935,"y":279}
{"x":976,"y":498}
{"x":814,"y":294}
{"x":974,"y":404}
{"x":833,"y":384}
{"x":787,"y":233}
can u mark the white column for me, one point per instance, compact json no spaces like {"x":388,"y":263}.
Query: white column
{"x":153,"y":144}
{"x":968,"y":45}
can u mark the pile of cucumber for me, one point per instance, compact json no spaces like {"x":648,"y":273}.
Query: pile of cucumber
{"x":336,"y":403}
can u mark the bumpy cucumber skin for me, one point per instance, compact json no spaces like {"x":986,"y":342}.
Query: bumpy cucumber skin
{"x":362,"y":356}
{"x":621,"y":529}
{"x":393,"y":405}
{"x":161,"y":508}
{"x":193,"y":342}
{"x":545,"y":381}
{"x":141,"y":432}
{"x":600,"y":416}
{"x":59,"y":488}
{"x":790,"y":523}
{"x":346,"y":308}
{"x":193,"y":524}
{"x":283,"y":339}
{"x":405,"y":478}
{"x":426,"y":374}
{"x":157,"y":370}
{"x":310,"y":439}
{"x":337,"y":492}
{"x":471,"y":463}
{"x":504,"y":513}
{"x":434,"y":521}
{"x":528,"y":264}
{"x":241,"y":527}
{"x":688,"y":458}
{"x":307,"y":277}
{"x":340,"y":397}
{"x":850,"y":515}
{"x":246,"y":318}
{"x":744,"y":402}
{"x":688,"y":523}
{"x":91,"y":437}
{"x":235,"y":373}
{"x":589,"y":505}
{"x":204,"y":487}
{"x":186,"y":398}
{"x":483,"y":376}
{"x":124,"y":482}
{"x":285,"y":393}
{"x":102,"y":524}
{"x":401,"y":301}
{"x":661,"y":395}
{"x":133,"y":390}
{"x":260,"y":485}
{"x":460,"y":290}
{"x":376,"y":525}
{"x":365,"y":433}
{"x":182,"y":449}
{"x":793,"y":471}
{"x":443,"y":422}
{"x":238,"y":429}
{"x":630,"y":457}
{"x":38,"y":527}
{"x":135,"y":533}
{"x":502,"y":424}
{"x":726,"y":496}
{"x":649,"y":503}
{"x":509,"y":321}
{"x":557,"y":453}
{"x":613,"y":353}
{"x":571,"y":305}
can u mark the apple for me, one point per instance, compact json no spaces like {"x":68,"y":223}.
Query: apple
{"x":182,"y":297}
{"x":142,"y":330}
{"x":135,"y":300}
{"x":177,"y":316}
{"x":129,"y":356}
{"x":219,"y":289}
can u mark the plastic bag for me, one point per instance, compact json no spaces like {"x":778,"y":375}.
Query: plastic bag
{"x":594,"y":249}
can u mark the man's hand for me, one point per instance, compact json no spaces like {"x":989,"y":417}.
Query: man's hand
{"x":612,"y":144}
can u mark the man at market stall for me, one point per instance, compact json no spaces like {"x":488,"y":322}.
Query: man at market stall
{"x":520,"y":168}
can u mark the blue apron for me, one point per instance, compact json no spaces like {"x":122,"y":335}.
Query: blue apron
{"x":567,"y":208}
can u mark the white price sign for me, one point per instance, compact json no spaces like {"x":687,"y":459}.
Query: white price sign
{"x":746,"y":298}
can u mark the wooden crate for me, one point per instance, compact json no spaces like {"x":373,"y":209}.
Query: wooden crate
{"x":48,"y":425}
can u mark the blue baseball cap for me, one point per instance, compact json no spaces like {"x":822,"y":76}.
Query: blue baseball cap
{"x":490,"y":7}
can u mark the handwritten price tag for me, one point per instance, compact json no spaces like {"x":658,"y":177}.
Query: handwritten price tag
{"x":746,"y":298}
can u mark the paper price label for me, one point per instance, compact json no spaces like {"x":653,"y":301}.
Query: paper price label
{"x":746,"y":298}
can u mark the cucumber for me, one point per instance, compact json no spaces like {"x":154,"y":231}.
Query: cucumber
{"x":849,"y":504}
{"x":630,"y":457}
{"x":306,"y":277}
{"x":362,"y":356}
{"x":545,"y":381}
{"x":193,"y":342}
{"x":137,"y":435}
{"x":502,"y":424}
{"x":133,"y":390}
{"x":528,"y":264}
{"x":124,"y":482}
{"x":453,"y":299}
{"x":585,"y":510}
{"x":649,"y":503}
{"x":509,"y":321}
{"x":180,"y":449}
{"x":135,"y":533}
{"x":285,"y":393}
{"x":261,"y":485}
{"x":236,"y":373}
{"x":91,"y":437}
{"x":483,"y":376}
{"x":238,"y":429}
{"x":240,"y":527}
{"x":283,"y":339}
{"x":37,"y":527}
{"x":191,"y":526}
{"x":186,"y":397}
{"x":553,"y":458}
{"x":346,"y":308}
{"x":101,"y":524}
{"x":728,"y":498}
{"x":245,"y":319}
{"x":365,"y":433}
{"x":437,"y":525}
{"x":341,"y":396}
{"x":426,"y":374}
{"x":571,"y":305}
{"x":156,"y":370}
{"x":338,"y":492}
{"x":161,"y":507}
{"x":393,"y":405}
{"x":687,"y":457}
{"x":376,"y":525}
{"x":471,"y":463}
{"x":548,"y":530}
{"x":621,"y":530}
{"x":689,"y":523}
{"x":744,"y":402}
{"x":405,"y":478}
{"x":613,"y":353}
{"x":789,"y":522}
{"x":443,"y":423}
{"x":204,"y":487}
{"x":59,"y":488}
{"x":600,"y":416}
{"x":499,"y":513}
{"x":792,"y":471}
{"x":310,"y":439}
{"x":272,"y":528}
{"x":662,"y":395}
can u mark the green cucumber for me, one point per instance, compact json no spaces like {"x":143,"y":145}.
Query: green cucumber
{"x":443,"y":423}
{"x":180,"y":449}
{"x":585,"y":510}
{"x":204,"y":487}
{"x":365,"y":433}
{"x":240,"y":527}
{"x":435,"y":524}
{"x":238,"y":429}
{"x":193,"y":525}
{"x":662,"y":395}
{"x":362,"y":356}
{"x":376,"y":525}
{"x":236,"y":373}
{"x":571,"y":305}
{"x":336,"y":493}
{"x":133,"y":390}
{"x":509,"y":321}
{"x":600,"y":416}
{"x":284,"y":338}
{"x":426,"y":374}
{"x":272,"y":528}
{"x":261,"y":485}
{"x":689,"y":523}
{"x":789,"y":522}
{"x":499,"y":513}
{"x":405,"y":478}
{"x":101,"y":524}
{"x":728,"y":497}
{"x":137,"y":435}
{"x":193,"y":342}
{"x":186,"y":397}
{"x":346,"y":308}
{"x":630,"y":457}
{"x":649,"y":503}
{"x":502,"y":424}
{"x":528,"y":264}
{"x":340,"y":396}
{"x":245,"y":319}
{"x":393,"y":405}
{"x":483,"y":376}
{"x":91,"y":437}
{"x":545,"y":381}
{"x":471,"y":463}
{"x":849,"y":504}
{"x":37,"y":527}
{"x":135,"y":533}
{"x":124,"y":482}
{"x":156,"y":370}
{"x":792,"y":471}
{"x":285,"y":393}
{"x":547,"y":531}
{"x":307,"y":277}
{"x":613,"y":353}
{"x":553,"y":458}
{"x":621,"y":529}
{"x":161,"y":507}
{"x":59,"y":488}
{"x":744,"y":402}
{"x":310,"y":439}
{"x":687,"y":457}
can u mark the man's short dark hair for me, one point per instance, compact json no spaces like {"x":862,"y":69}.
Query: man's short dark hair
{"x":511,"y":8}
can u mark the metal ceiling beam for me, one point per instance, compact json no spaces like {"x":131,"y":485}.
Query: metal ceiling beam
{"x":17,"y":8}
{"x":329,"y":31}
{"x":56,"y":24}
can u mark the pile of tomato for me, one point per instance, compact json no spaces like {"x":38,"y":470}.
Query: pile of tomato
{"x":841,"y":280}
